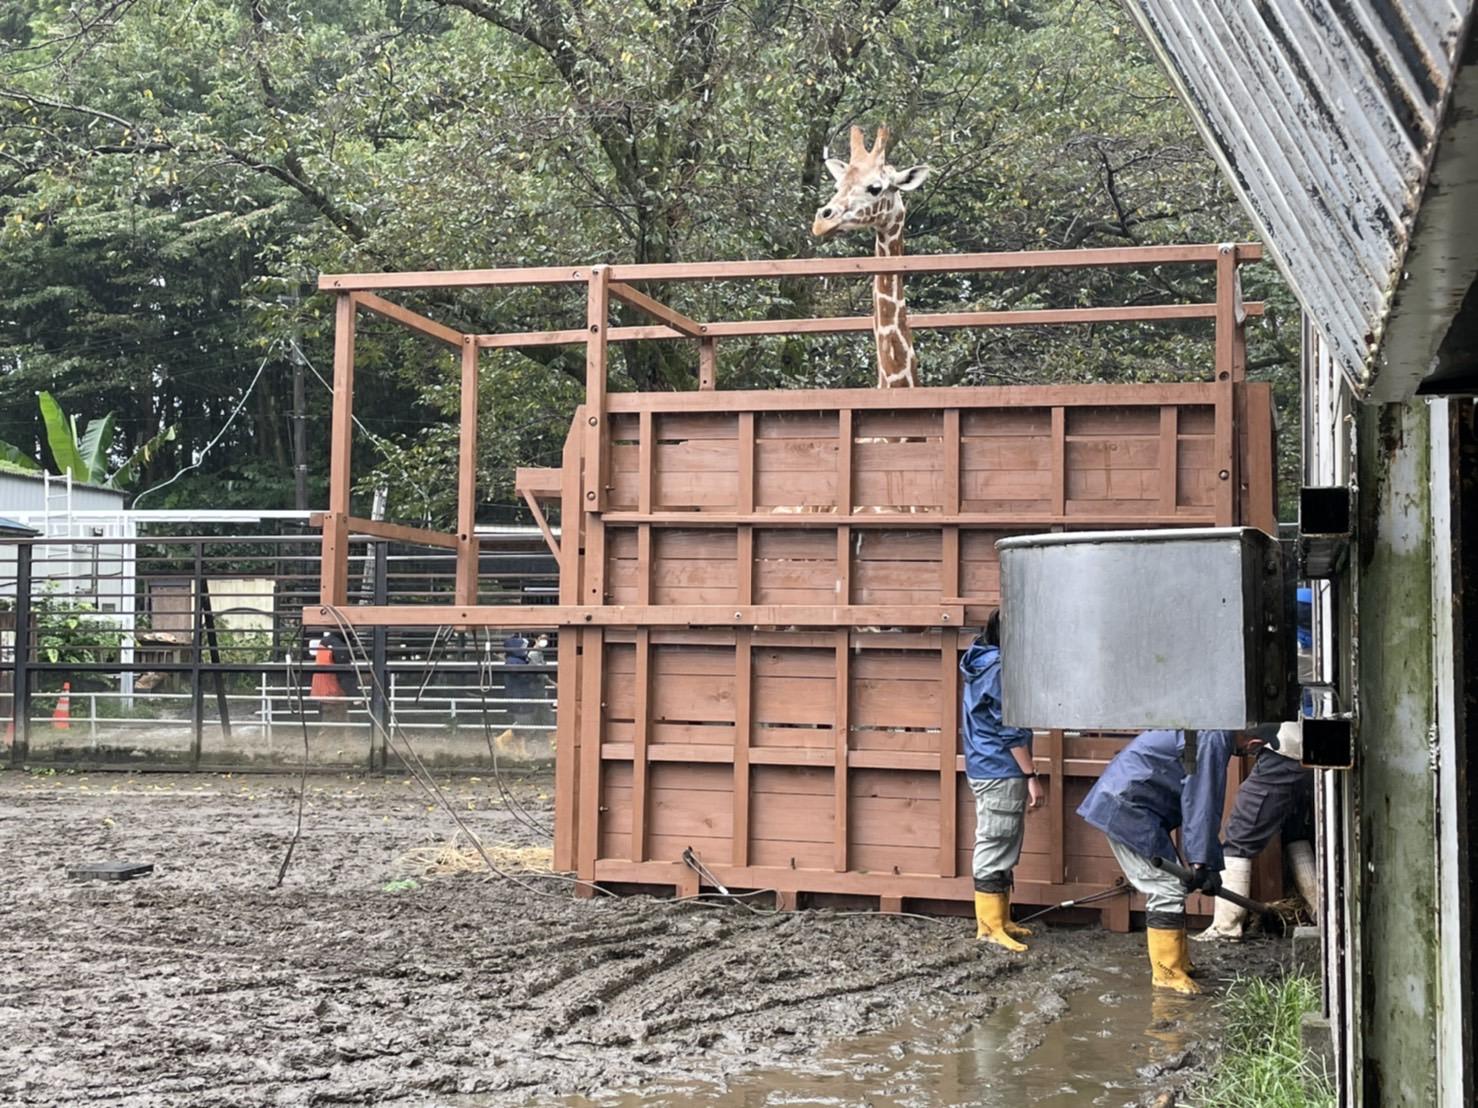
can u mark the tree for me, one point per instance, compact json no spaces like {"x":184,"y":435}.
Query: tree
{"x":169,"y":186}
{"x":86,"y":456}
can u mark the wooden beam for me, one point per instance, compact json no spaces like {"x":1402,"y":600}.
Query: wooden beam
{"x":529,"y":616}
{"x":467,"y":550}
{"x":395,"y":532}
{"x":537,"y":512}
{"x":743,"y":724}
{"x":597,"y":312}
{"x":921,"y":521}
{"x":1226,"y":310}
{"x":835,"y":325}
{"x":707,"y":365}
{"x":592,"y":780}
{"x":949,"y":743}
{"x":791,"y":267}
{"x":407,"y":318}
{"x":841,"y":728}
{"x":642,"y":733}
{"x":963,"y":397}
{"x":541,"y":481}
{"x":1169,"y":459}
{"x":335,"y":571}
{"x":1058,"y":489}
{"x":656,"y":309}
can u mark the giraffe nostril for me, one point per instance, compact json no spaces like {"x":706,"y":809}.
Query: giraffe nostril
{"x":825,"y":213}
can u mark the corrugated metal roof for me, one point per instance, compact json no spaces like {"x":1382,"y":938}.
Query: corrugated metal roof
{"x":1326,"y":116}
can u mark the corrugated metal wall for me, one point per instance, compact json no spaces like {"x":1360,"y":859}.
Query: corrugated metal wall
{"x":1325,"y":116}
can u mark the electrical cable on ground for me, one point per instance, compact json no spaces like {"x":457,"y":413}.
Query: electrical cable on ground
{"x":296,"y":677}
{"x":1114,"y":890}
{"x":484,"y":685}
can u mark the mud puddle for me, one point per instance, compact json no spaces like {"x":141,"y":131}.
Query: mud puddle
{"x":1092,"y":1036}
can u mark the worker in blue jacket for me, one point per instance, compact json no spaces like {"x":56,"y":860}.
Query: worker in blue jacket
{"x":1143,"y":795}
{"x":998,"y":764}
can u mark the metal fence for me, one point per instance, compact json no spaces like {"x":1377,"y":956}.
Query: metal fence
{"x":189,"y":651}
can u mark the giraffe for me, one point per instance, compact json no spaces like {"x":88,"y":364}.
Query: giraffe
{"x":869,"y":193}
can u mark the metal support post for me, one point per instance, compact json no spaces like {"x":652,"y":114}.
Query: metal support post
{"x":379,"y":649}
{"x":197,"y":635}
{"x":21,"y":698}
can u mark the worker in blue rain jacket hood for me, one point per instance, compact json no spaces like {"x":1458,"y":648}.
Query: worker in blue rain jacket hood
{"x":1143,"y":795}
{"x":998,"y":764}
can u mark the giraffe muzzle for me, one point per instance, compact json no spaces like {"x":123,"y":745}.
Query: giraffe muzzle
{"x":827,"y":221}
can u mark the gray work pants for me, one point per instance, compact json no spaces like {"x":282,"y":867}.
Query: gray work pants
{"x":1000,"y":827}
{"x":1163,"y":893}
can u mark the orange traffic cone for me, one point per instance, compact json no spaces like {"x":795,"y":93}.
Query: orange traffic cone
{"x":61,"y":715}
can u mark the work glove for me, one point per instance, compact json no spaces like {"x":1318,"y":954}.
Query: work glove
{"x":1205,"y":879}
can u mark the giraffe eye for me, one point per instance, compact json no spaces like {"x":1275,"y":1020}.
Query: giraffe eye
{"x":875,"y":188}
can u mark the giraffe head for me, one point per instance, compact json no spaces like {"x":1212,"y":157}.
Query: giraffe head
{"x":869,"y":191}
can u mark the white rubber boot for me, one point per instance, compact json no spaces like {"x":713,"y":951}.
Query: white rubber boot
{"x":1300,"y":857}
{"x":1226,"y":925}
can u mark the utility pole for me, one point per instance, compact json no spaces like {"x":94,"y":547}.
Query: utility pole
{"x":300,"y":426}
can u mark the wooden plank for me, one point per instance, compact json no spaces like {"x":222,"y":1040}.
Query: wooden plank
{"x":568,"y":683}
{"x":537,"y":512}
{"x":1057,"y":805}
{"x":842,"y":719}
{"x":467,"y":549}
{"x":1224,"y":456}
{"x":1226,"y":305}
{"x":997,"y":400}
{"x":530,"y":616}
{"x":707,"y":365}
{"x":335,"y":570}
{"x":808,"y":267}
{"x":1017,"y":522}
{"x":835,"y":325}
{"x":950,"y":445}
{"x":844,"y":493}
{"x":592,"y":680}
{"x":1169,"y":459}
{"x":656,"y":309}
{"x":1260,"y":461}
{"x":642,"y":730}
{"x":1058,"y":486}
{"x":597,"y":313}
{"x":646,"y":462}
{"x":395,"y":532}
{"x":413,"y":320}
{"x":949,"y":742}
{"x":743,"y":722}
{"x":540,"y":481}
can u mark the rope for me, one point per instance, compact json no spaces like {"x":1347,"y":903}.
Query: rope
{"x":296,"y":677}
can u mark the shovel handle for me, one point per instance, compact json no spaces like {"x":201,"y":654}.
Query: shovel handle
{"x":1185,"y":876}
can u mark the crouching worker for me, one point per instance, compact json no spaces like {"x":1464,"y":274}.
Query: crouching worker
{"x":1143,"y":795}
{"x":998,"y":763}
{"x":1276,"y":798}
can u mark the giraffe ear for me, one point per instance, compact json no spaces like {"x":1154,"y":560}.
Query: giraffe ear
{"x":837,"y":168}
{"x":906,"y":180}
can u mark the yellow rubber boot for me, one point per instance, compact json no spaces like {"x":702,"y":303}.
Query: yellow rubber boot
{"x":1015,"y":930}
{"x":1169,"y":960}
{"x":991,"y":911}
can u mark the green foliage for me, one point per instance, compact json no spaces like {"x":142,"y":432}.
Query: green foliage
{"x":85,"y":456}
{"x":69,"y":630}
{"x":172,"y":179}
{"x":1263,"y":1063}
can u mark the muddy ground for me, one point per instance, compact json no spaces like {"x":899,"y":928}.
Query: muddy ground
{"x":355,"y":983}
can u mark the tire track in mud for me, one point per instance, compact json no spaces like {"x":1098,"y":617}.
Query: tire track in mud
{"x":203,"y":986}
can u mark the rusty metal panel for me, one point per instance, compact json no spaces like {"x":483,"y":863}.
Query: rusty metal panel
{"x":1326,"y":118}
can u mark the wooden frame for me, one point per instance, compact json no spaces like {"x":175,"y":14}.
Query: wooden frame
{"x":764,"y":595}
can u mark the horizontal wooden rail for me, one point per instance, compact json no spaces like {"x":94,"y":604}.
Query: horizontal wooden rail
{"x":793,"y":267}
{"x":836,"y":325}
{"x":962,"y":397}
{"x":907,"y":521}
{"x":395,"y":532}
{"x":638,"y":615}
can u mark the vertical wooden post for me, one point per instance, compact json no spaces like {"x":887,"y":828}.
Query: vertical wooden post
{"x":1227,"y":344}
{"x":743,"y":720}
{"x":1225,"y":455}
{"x":567,"y":734}
{"x":1169,"y":459}
{"x":707,"y":364}
{"x":335,"y":590}
{"x":641,"y":736}
{"x":744,"y":552}
{"x":592,"y":783}
{"x":949,"y":739}
{"x":950,"y":448}
{"x":597,"y":312}
{"x":1057,"y":799}
{"x":844,"y":464}
{"x":843,"y":725}
{"x":1059,"y":461}
{"x":467,"y":549}
{"x":1226,"y":310}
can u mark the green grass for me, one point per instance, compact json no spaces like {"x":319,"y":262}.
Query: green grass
{"x":1263,"y":1063}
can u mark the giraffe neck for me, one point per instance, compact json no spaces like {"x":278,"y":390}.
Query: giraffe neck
{"x":896,"y":360}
